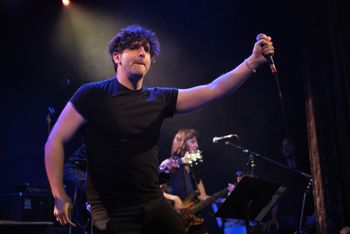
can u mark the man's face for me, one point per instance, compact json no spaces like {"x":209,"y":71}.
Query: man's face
{"x":192,"y":144}
{"x":134,"y":60}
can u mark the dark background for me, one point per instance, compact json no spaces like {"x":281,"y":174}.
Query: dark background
{"x":48,"y":51}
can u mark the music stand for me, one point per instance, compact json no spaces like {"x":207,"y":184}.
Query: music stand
{"x":251,"y":200}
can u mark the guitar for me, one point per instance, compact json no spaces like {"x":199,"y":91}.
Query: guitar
{"x":188,"y":214}
{"x":190,"y":158}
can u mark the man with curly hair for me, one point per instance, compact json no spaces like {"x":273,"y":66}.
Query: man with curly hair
{"x":120,"y":120}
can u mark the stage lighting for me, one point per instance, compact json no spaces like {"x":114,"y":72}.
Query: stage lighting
{"x":65,"y":2}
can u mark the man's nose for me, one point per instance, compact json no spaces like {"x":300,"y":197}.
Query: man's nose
{"x":142,"y":52}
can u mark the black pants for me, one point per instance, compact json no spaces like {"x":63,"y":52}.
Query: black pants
{"x":154,"y":217}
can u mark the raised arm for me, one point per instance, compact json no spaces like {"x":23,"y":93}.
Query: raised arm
{"x":196,"y":97}
{"x":67,"y":124}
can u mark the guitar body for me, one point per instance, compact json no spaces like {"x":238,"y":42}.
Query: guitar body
{"x":188,"y":213}
{"x":189,"y":219}
{"x":189,"y":199}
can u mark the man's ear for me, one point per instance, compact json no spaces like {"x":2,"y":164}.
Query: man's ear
{"x":116,"y":57}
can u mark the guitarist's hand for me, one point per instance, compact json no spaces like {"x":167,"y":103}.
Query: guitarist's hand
{"x":169,"y":165}
{"x":176,"y":201}
{"x":230,"y":188}
{"x":178,"y":205}
{"x":271,"y":225}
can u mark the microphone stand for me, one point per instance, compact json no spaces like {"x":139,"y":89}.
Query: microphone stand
{"x":308,"y":186}
{"x":253,"y":156}
{"x":252,"y":162}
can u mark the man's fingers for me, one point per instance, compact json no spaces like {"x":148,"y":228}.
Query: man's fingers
{"x":262,"y":36}
{"x":62,"y":214}
{"x":59,"y":219}
{"x":269,"y":52}
{"x":268,"y":49}
{"x":64,"y":220}
{"x":266,"y":44}
{"x":66,"y":215}
{"x":69,"y":222}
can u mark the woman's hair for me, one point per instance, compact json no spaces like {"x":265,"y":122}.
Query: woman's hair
{"x":179,"y":142}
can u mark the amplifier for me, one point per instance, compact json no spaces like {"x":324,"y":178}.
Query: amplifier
{"x":24,"y":206}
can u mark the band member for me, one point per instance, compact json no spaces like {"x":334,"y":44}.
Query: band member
{"x":185,"y":180}
{"x":120,"y":120}
{"x":184,"y":184}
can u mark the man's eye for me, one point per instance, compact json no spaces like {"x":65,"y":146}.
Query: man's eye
{"x":146,"y":48}
{"x":134,"y":46}
{"x":137,"y":46}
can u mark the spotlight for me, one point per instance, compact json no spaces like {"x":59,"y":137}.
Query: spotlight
{"x":65,"y":2}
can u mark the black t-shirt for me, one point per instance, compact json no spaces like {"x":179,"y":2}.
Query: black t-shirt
{"x":121,"y":135}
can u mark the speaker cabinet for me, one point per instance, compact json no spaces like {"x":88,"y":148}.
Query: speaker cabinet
{"x":21,"y":206}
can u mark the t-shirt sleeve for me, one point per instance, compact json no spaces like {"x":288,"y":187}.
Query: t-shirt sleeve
{"x":85,"y":99}
{"x":169,"y":97}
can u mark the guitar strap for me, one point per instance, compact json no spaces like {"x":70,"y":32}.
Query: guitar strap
{"x":182,"y":182}
{"x":188,"y":181}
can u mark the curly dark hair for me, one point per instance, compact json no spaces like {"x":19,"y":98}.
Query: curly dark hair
{"x":133,"y":33}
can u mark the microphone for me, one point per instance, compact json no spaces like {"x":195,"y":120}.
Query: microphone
{"x":269,"y":57}
{"x":217,"y":139}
